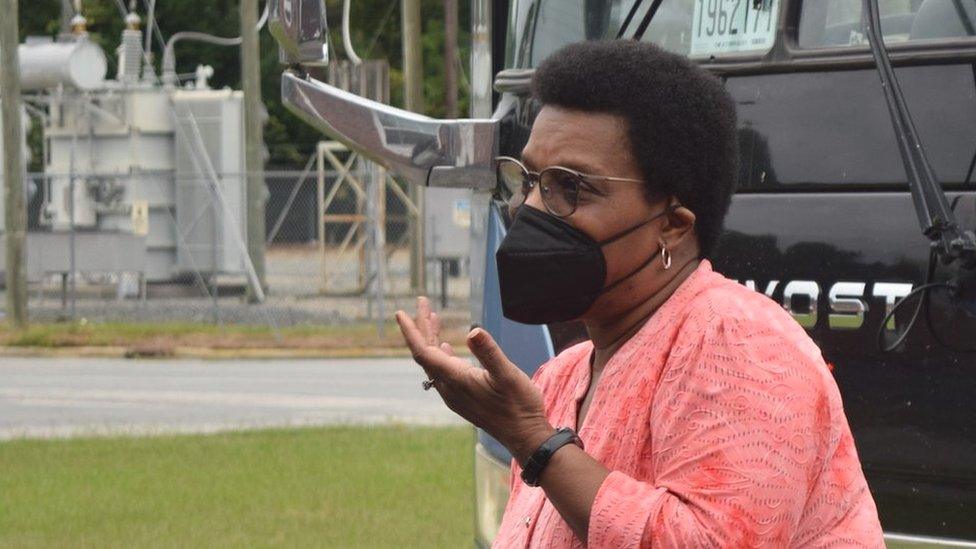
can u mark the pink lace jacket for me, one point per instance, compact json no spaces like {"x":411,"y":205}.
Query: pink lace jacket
{"x":722,"y":427}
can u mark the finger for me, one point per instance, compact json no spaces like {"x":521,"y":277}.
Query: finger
{"x":423,"y":319}
{"x":490,"y":355}
{"x":434,"y":360}
{"x":446,"y":347}
{"x":432,"y":324}
{"x":411,"y":336}
{"x":435,"y":327}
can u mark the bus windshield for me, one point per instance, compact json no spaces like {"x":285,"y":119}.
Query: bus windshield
{"x":838,"y":23}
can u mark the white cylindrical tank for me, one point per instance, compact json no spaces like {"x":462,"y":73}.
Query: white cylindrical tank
{"x":77,"y":64}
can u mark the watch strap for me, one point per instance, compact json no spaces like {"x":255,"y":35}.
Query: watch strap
{"x":540,"y":458}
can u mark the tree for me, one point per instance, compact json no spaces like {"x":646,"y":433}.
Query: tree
{"x":375,"y":34}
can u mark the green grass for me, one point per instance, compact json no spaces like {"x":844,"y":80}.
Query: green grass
{"x":59,"y":334}
{"x":339,"y":336}
{"x":323,"y":487}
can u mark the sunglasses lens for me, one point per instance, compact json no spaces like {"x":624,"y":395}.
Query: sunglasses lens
{"x":560,"y":189}
{"x":513,"y":177}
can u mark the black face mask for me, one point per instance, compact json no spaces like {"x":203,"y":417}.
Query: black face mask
{"x":550,"y":271}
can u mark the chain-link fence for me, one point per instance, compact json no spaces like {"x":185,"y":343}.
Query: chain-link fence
{"x":96,"y":256}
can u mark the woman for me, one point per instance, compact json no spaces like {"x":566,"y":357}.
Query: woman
{"x":706,"y":416}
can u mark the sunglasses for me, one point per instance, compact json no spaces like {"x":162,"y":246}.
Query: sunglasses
{"x":559,"y":186}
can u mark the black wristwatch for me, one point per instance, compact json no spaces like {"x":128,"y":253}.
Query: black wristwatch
{"x":538,"y":460}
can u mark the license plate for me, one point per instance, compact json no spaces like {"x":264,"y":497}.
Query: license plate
{"x":731,"y":26}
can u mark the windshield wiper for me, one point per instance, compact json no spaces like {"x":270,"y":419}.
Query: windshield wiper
{"x":627,"y":20}
{"x":935,"y":216}
{"x":645,"y":22}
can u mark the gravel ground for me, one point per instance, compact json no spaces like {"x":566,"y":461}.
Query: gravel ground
{"x":295,"y":278}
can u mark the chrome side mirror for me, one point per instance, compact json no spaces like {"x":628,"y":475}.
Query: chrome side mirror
{"x":301,"y":29}
{"x":438,"y":153}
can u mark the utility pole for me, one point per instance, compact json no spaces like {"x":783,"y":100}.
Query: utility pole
{"x":450,"y":58}
{"x":15,"y":222}
{"x":413,"y":83}
{"x":254,"y":115}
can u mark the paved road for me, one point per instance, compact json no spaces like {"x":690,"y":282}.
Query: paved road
{"x":66,"y":397}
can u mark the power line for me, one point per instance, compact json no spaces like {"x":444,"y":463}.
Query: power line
{"x":381,"y":27}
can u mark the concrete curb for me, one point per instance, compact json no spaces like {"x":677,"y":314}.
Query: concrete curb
{"x":205,"y":353}
{"x":201,"y":352}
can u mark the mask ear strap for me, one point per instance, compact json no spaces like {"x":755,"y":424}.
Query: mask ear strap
{"x":626,"y":232}
{"x":640,"y":268}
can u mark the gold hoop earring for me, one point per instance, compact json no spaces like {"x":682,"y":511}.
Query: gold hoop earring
{"x":665,"y":256}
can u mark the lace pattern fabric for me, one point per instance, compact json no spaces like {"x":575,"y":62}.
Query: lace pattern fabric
{"x":722,"y":427}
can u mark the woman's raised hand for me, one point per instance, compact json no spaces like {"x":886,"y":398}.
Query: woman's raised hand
{"x":498,"y":398}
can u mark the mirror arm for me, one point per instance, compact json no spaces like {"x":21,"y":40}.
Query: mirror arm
{"x":935,"y":216}
{"x":425,"y":151}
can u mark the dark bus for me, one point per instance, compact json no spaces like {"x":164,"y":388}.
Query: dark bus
{"x":835,"y":215}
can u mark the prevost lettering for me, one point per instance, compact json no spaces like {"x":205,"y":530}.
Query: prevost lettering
{"x":847,"y":300}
